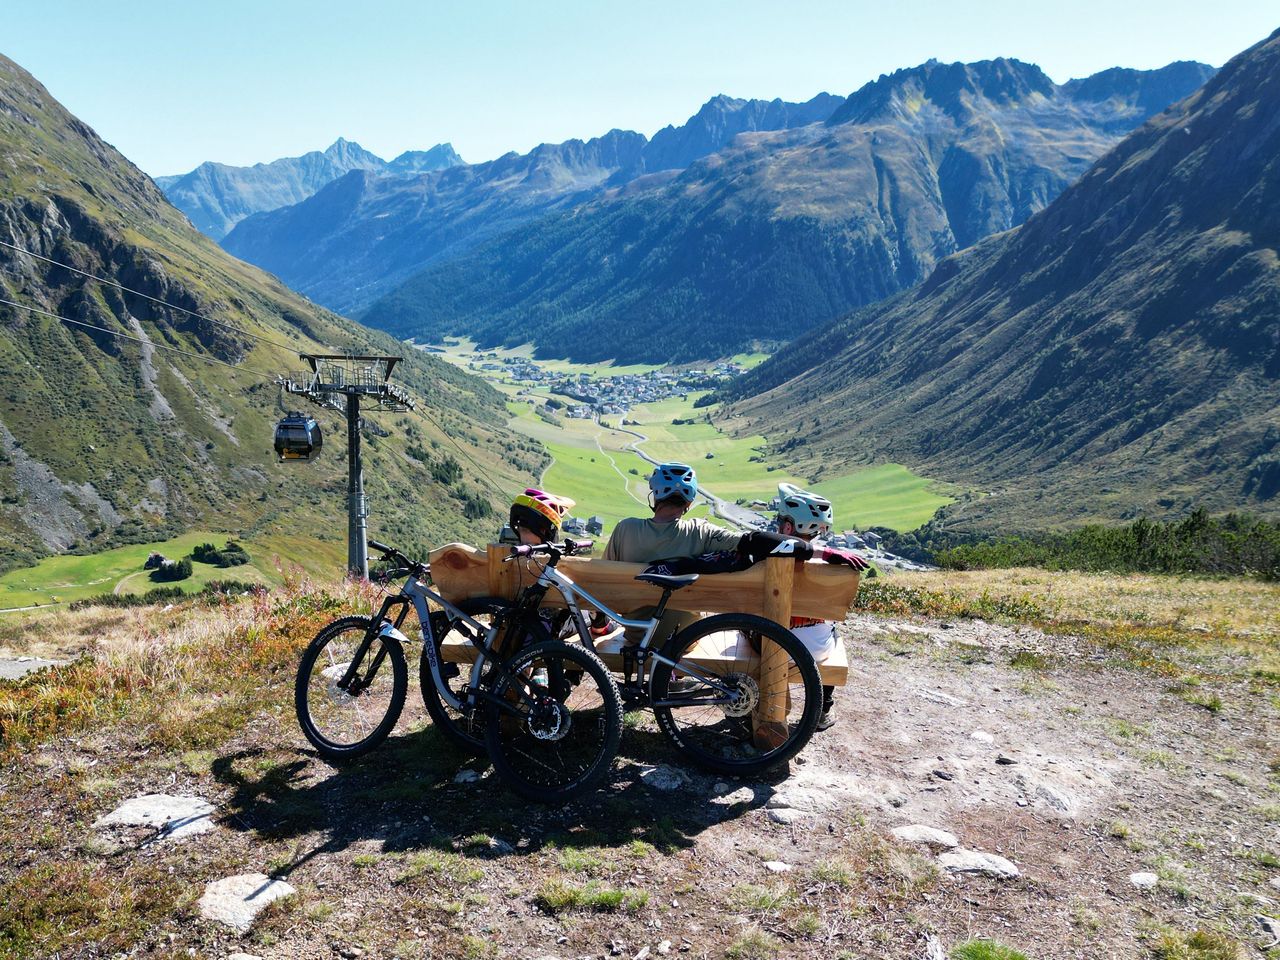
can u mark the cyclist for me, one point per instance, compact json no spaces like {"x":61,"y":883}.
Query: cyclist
{"x":673,"y":487}
{"x":670,"y":543}
{"x":806,"y":516}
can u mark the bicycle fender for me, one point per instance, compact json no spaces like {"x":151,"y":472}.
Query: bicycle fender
{"x":387,"y":630}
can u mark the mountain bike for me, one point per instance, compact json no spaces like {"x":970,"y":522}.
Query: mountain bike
{"x":552,"y":713}
{"x":705,"y":705}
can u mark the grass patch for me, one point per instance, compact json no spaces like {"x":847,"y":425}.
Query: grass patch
{"x":894,"y":597}
{"x":440,"y":863}
{"x":1197,"y":945}
{"x":559,"y":896}
{"x":759,"y":898}
{"x":1207,"y":701}
{"x":985,"y":950}
{"x":754,"y":944}
{"x":832,"y":872}
{"x":56,"y":909}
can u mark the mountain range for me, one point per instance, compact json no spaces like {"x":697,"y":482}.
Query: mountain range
{"x":217,"y":196}
{"x":155,"y":419}
{"x":365,"y":233}
{"x":1116,"y":355}
{"x":782,"y":230}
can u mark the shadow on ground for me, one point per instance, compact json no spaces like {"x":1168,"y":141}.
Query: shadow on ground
{"x":405,"y":797}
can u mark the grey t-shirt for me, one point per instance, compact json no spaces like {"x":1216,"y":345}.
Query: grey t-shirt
{"x":642,"y":541}
{"x":635,"y":540}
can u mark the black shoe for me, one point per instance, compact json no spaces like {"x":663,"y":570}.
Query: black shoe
{"x":827,"y":719}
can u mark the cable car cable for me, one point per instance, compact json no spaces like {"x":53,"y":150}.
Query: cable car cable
{"x":480,"y":471}
{"x":142,"y":340}
{"x":146,"y":296}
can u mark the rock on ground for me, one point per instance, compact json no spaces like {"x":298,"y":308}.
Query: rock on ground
{"x":237,"y":901}
{"x":1144,"y":881}
{"x":173,"y":817}
{"x":20,"y":666}
{"x":663,"y":777}
{"x":974,"y":861}
{"x":930,"y":836}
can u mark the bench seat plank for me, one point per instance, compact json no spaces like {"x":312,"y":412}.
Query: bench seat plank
{"x":719,"y":653}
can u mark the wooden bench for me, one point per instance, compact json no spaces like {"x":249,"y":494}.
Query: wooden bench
{"x":778,"y":588}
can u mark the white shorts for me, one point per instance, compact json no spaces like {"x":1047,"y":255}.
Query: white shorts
{"x":819,"y":639}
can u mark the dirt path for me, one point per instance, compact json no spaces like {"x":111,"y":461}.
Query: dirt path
{"x":125,"y":579}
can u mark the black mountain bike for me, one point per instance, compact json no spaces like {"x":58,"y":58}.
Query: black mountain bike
{"x":552,"y":714}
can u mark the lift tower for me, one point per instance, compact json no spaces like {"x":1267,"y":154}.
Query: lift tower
{"x":339,"y":381}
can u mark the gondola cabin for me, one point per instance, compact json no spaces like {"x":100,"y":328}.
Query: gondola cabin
{"x":298,"y":439}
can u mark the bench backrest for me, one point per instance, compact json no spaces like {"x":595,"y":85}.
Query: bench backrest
{"x":778,"y":588}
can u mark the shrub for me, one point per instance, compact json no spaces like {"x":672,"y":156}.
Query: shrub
{"x":172,"y":570}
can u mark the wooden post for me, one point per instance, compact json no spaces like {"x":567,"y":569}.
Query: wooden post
{"x":499,"y":581}
{"x":770,"y":719}
{"x":500,"y":584}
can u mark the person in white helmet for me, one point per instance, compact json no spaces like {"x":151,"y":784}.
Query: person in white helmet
{"x":806,"y":516}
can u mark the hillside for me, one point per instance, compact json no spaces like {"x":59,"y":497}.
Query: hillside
{"x":1118,"y":354}
{"x":366,"y":233}
{"x":217,"y":196}
{"x":785,"y":230}
{"x":107,"y":440}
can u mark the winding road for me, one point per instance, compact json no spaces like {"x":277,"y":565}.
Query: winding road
{"x":724,"y":509}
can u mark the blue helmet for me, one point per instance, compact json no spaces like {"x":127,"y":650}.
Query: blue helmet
{"x":674,"y":478}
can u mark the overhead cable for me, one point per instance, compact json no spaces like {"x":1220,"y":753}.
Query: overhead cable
{"x":147,"y":296}
{"x":142,"y":340}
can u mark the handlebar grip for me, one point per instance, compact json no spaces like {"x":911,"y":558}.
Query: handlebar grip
{"x":380,"y":547}
{"x":522,"y":551}
{"x":580,"y":546}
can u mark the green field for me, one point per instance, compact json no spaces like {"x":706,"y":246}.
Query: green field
{"x":887,"y":495}
{"x":67,"y":578}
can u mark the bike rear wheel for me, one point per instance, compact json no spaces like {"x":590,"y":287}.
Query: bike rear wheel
{"x":722,"y":729}
{"x":346,"y":723}
{"x":564,"y":733}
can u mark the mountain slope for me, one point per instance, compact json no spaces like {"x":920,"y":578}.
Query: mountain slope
{"x":217,"y":196}
{"x":785,"y":230}
{"x":1117,"y":354}
{"x":365,"y":234}
{"x":105,"y":440}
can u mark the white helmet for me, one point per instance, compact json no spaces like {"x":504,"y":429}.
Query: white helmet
{"x":810,"y":513}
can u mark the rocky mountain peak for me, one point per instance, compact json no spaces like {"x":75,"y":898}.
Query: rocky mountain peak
{"x":952,"y":87}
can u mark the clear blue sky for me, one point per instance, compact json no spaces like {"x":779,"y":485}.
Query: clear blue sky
{"x":174,"y":83}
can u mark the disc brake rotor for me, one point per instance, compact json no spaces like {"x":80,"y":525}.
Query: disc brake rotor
{"x":748,"y":691}
{"x":550,"y":720}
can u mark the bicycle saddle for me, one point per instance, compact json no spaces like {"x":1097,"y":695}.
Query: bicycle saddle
{"x":668,"y":582}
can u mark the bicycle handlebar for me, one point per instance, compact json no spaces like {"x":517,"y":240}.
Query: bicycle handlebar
{"x":568,"y":549}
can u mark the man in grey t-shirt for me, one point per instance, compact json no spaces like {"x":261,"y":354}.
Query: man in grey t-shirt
{"x":674,"y":487}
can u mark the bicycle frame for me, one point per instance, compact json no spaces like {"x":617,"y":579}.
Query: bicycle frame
{"x":415,"y":593}
{"x":648,"y":658}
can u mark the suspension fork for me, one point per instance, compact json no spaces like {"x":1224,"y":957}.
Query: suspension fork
{"x":350,"y":682}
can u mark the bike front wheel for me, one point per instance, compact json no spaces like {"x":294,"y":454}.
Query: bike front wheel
{"x":464,"y":729}
{"x":343,"y":722}
{"x":558,"y":728}
{"x":737,"y":720}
